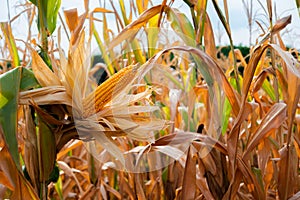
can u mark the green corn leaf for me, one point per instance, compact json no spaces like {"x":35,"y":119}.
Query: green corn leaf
{"x":49,"y":11}
{"x":58,"y":188}
{"x":46,"y":150}
{"x":181,"y":24}
{"x":3,"y":100}
{"x":103,"y":51}
{"x":28,"y":80}
{"x":226,"y":115}
{"x":269,"y":89}
{"x":10,"y":84}
{"x":9,"y":92}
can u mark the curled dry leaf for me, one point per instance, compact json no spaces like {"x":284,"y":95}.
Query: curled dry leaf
{"x":42,"y":72}
{"x":71,"y":16}
{"x":133,"y":27}
{"x":281,"y":24}
{"x":272,"y":120}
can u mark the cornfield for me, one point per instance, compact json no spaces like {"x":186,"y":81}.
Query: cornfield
{"x":163,"y":114}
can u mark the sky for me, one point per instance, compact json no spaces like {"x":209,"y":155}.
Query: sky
{"x":237,"y":18}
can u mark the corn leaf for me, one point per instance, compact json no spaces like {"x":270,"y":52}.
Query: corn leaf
{"x":103,"y":51}
{"x":46,"y":150}
{"x":71,"y":16}
{"x":269,"y":89}
{"x":189,"y":178}
{"x":9,"y":94}
{"x":222,"y":18}
{"x":13,"y":179}
{"x":10,"y":41}
{"x":152,"y":35}
{"x":273,"y":119}
{"x":132,"y":28}
{"x":49,"y":10}
{"x":30,"y":152}
{"x":42,"y":73}
{"x":141,"y":5}
{"x":122,"y":6}
{"x":209,"y":40}
{"x":226,"y":115}
{"x":182,"y":26}
{"x":28,"y":80}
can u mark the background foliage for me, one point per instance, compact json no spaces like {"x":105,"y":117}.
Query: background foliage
{"x":195,"y":120}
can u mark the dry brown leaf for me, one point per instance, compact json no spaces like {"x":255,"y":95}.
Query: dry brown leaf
{"x":45,"y":95}
{"x":42,"y":72}
{"x":209,"y":142}
{"x":112,"y":190}
{"x":281,"y":24}
{"x":133,"y":27}
{"x":232,"y":140}
{"x":239,"y":56}
{"x":177,"y":138}
{"x":202,"y":182}
{"x":208,"y":161}
{"x":209,"y":40}
{"x":139,"y":187}
{"x":68,"y":148}
{"x":31,"y":151}
{"x":49,"y":119}
{"x":214,"y":69}
{"x":244,"y":111}
{"x":272,"y":120}
{"x":101,"y":10}
{"x":202,"y":185}
{"x":69,"y":171}
{"x":126,"y":187}
{"x":250,"y":179}
{"x":71,"y":16}
{"x":90,"y":192}
{"x":292,"y":64}
{"x":189,"y":177}
{"x":5,"y":180}
{"x":259,"y":81}
{"x":292,"y":101}
{"x":263,"y":153}
{"x":288,"y":175}
{"x":14,"y":179}
{"x":268,"y":175}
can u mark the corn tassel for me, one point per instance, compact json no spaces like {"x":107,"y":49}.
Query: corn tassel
{"x":103,"y":94}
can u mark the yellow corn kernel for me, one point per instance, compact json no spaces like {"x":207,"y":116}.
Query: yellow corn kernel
{"x":102,"y":95}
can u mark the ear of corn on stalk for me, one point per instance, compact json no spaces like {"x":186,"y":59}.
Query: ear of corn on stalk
{"x":103,"y":94}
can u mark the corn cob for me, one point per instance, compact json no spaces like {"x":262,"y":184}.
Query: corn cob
{"x":103,"y":94}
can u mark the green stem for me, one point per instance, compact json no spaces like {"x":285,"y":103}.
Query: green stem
{"x":43,"y":28}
